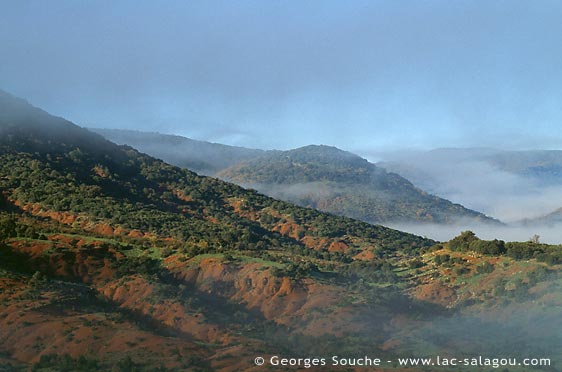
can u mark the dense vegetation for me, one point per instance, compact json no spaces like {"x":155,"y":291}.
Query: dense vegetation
{"x":113,"y":260}
{"x":121,"y":187}
{"x":468,"y":241}
{"x":320,"y":177}
{"x":103,"y":215}
{"x":342,"y":183}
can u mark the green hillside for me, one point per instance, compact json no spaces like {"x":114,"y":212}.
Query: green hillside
{"x":342,"y":183}
{"x":319,"y":177}
{"x":111,"y":260}
{"x":77,"y":208}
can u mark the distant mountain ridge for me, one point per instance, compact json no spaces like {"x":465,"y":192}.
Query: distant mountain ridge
{"x":551,"y":219}
{"x":343,"y":183}
{"x":152,"y":262}
{"x":203,"y":157}
{"x":542,"y":166}
{"x":317,"y":176}
{"x":511,"y":185}
{"x":112,"y":260}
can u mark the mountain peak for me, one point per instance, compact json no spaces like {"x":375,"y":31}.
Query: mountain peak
{"x":340,"y":182}
{"x":26,"y":127}
{"x":322,"y":154}
{"x":14,"y":107}
{"x":322,"y":150}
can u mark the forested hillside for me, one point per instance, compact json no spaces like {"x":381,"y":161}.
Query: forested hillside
{"x":111,"y":260}
{"x":320,"y":177}
{"x":342,"y":183}
{"x":81,"y":214}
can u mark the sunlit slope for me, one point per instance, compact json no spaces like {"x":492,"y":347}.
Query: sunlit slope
{"x":111,"y":259}
{"x":321,"y":177}
{"x":188,"y":257}
{"x":343,"y":183}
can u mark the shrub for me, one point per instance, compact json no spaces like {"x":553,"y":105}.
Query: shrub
{"x":485,"y":268}
{"x":489,"y":247}
{"x":462,"y":242}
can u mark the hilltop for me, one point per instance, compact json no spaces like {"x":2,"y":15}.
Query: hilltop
{"x":321,"y":177}
{"x":342,"y":183}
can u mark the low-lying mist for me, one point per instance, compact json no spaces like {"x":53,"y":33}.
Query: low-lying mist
{"x":476,"y":179}
{"x":551,"y":234}
{"x":504,"y":332}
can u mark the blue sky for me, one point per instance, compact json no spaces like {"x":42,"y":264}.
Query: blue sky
{"x":369,"y":75}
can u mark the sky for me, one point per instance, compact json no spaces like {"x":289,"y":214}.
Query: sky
{"x":360,"y":75}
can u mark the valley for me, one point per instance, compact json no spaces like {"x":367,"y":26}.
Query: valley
{"x":114,"y":260}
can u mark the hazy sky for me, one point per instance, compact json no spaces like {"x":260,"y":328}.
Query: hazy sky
{"x":281,"y":74}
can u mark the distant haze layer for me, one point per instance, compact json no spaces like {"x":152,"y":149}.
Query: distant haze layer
{"x":522,"y":188}
{"x":509,"y":185}
{"x":271,"y":74}
{"x":550,"y":234}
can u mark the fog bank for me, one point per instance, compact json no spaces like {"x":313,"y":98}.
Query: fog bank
{"x":548,"y":234}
